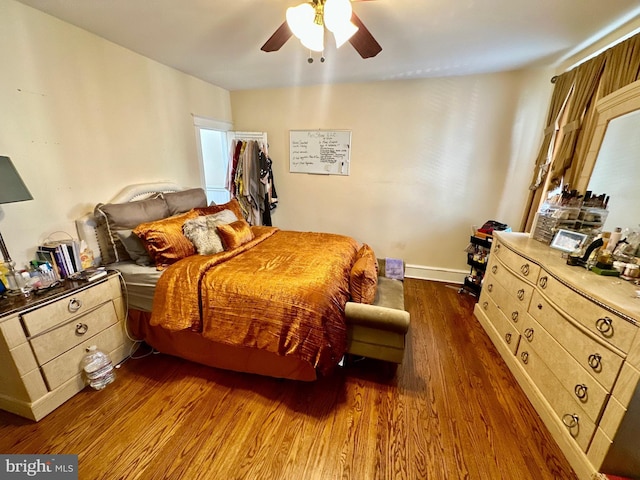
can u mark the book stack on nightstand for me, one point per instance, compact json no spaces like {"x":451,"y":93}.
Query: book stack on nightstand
{"x":62,"y":255}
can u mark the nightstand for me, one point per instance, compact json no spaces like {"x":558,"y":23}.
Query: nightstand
{"x":43,"y":339}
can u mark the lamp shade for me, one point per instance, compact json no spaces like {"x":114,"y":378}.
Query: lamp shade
{"x":301,"y":21}
{"x":12,"y":188}
{"x":337,"y":13}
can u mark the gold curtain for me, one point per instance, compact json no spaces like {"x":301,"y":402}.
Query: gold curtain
{"x":561,"y":92}
{"x":622,"y":65}
{"x":562,"y":89}
{"x":586,"y":84}
{"x":593,"y":80}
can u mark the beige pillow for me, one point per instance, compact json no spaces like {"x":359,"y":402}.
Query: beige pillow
{"x":363,"y":280}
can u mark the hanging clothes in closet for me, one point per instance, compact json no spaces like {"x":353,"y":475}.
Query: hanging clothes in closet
{"x":250,"y":180}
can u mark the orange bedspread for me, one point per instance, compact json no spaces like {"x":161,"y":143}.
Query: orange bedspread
{"x":283,"y":291}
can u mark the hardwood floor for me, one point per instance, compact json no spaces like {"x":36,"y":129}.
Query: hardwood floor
{"x":452,"y":411}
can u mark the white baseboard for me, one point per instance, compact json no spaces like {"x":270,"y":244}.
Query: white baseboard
{"x":448,"y":275}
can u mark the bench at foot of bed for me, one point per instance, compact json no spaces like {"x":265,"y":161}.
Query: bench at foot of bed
{"x":378,"y":330}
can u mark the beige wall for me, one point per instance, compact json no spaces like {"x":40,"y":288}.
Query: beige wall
{"x":429,"y":159}
{"x":82,"y":117}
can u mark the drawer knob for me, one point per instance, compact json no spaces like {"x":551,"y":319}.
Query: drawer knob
{"x":82,"y":328}
{"x":507,"y":338}
{"x":581,"y":391}
{"x":525,"y":269}
{"x":539,"y":306}
{"x":497,"y":248}
{"x":543,"y":281}
{"x":529,"y":334}
{"x":74,"y":305}
{"x":490,"y":287}
{"x":595,"y":361}
{"x":605,"y":326}
{"x":521,"y":294}
{"x":570,"y":420}
{"x":485,"y":305}
{"x":494,"y":269}
{"x":514,"y":316}
{"x":525,"y":357}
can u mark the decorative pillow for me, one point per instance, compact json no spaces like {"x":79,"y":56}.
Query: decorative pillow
{"x":134,"y":247}
{"x":202,"y":231}
{"x":112,"y":217}
{"x":185,"y":200}
{"x":232,"y":205}
{"x":363,"y":280}
{"x":235,"y":234}
{"x":164,"y":239}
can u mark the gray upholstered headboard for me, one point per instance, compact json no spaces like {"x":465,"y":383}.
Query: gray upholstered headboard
{"x":86,"y":225}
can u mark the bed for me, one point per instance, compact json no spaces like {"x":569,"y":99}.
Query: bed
{"x":271,"y":302}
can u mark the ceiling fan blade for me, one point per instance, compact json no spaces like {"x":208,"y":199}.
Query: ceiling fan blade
{"x":363,"y":41}
{"x":278,"y":39}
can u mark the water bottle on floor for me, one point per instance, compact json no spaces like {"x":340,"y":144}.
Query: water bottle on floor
{"x":97,"y":367}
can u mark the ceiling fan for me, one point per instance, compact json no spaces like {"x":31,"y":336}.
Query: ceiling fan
{"x":308,"y":21}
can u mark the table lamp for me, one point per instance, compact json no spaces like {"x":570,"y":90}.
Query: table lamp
{"x":12,"y":189}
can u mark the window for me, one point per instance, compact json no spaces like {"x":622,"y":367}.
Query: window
{"x":213,"y":150}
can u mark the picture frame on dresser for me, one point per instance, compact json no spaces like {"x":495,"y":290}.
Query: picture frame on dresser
{"x":568,"y":241}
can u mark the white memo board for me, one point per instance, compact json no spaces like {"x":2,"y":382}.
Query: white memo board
{"x":326,"y":152}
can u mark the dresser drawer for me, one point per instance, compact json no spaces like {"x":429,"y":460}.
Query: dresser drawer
{"x":568,"y":411}
{"x":575,"y":379}
{"x":67,"y":365}
{"x":66,"y":308}
{"x":601,"y":322}
{"x":510,"y":307}
{"x":517,"y":289}
{"x":594,"y":356}
{"x":505,"y":329}
{"x":57,"y":341}
{"x":521,"y":266}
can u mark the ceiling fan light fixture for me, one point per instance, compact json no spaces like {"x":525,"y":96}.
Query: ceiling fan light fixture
{"x":344,"y":33}
{"x":300,"y":19}
{"x":337,"y":13}
{"x":313,"y":38}
{"x":337,"y":18}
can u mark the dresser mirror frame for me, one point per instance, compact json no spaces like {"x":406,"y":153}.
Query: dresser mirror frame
{"x":617,"y":104}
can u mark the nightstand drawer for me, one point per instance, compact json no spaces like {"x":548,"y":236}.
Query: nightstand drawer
{"x":64,"y":309}
{"x":67,"y":365}
{"x":55,"y":342}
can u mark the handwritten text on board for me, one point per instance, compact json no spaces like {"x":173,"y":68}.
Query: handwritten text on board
{"x":320,"y":151}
